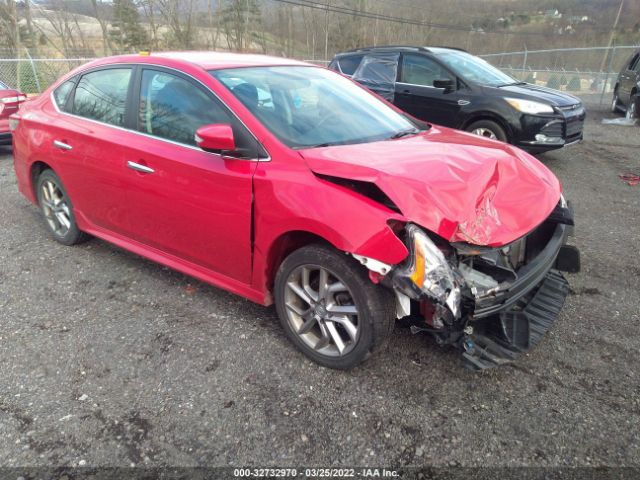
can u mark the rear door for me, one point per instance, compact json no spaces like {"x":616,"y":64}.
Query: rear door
{"x":415,"y":93}
{"x":89,"y":144}
{"x":182,"y":200}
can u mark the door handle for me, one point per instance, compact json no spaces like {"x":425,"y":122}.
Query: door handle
{"x":62,"y":145}
{"x":463,"y":102}
{"x":139,"y":167}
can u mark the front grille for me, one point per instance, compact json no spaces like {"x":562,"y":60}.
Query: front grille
{"x":553,"y":129}
{"x":570,"y":108}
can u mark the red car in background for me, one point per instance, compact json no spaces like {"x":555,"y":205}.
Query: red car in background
{"x":10,"y":100}
{"x":288,"y":183}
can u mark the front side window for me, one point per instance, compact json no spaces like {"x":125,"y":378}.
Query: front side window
{"x":310,"y":106}
{"x":102,"y":95}
{"x":421,"y":70}
{"x":61,"y":94}
{"x":173,"y":108}
{"x":474,"y":69}
{"x":634,"y":61}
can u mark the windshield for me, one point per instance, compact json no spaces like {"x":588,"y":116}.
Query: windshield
{"x":475,"y":69}
{"x":310,"y":106}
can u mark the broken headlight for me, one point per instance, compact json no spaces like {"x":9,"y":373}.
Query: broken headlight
{"x":428,"y":272}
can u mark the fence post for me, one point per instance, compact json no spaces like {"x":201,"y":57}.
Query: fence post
{"x":606,"y":77}
{"x":33,"y":69}
{"x":524,"y":62}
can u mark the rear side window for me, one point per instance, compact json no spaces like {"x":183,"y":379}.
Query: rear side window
{"x":3,"y":86}
{"x":61,"y":94}
{"x":348,"y":65}
{"x":102,"y":95}
{"x":421,"y":70}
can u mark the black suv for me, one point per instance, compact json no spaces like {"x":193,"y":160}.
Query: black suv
{"x":626,"y":93}
{"x":453,"y":88}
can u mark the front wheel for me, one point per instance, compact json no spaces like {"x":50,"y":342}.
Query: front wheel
{"x":330,"y":309}
{"x":488,"y":129}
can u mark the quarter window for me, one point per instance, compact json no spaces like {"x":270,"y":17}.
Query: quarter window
{"x":102,"y":95}
{"x":173,"y":108}
{"x":348,"y":65}
{"x":61,"y":94}
{"x":420,"y":70}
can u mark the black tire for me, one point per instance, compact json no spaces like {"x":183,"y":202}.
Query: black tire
{"x":632,"y":109}
{"x":70,"y":235}
{"x":375,"y":304}
{"x":489,"y":126}
{"x":615,"y":102}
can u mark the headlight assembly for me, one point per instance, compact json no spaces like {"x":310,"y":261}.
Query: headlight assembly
{"x":428,"y":272}
{"x":528,"y":106}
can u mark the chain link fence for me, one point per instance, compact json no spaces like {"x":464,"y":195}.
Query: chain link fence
{"x":32,"y":76}
{"x":589,"y":73}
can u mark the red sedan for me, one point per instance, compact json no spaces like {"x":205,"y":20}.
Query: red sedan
{"x":10,"y":101}
{"x":287,"y":183}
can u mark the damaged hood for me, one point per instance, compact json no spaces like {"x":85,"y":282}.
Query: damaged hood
{"x":463,"y":187}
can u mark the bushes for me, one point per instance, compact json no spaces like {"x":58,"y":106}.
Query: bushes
{"x":574,"y":84}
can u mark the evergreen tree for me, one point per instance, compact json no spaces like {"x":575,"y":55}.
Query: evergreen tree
{"x":126,"y":31}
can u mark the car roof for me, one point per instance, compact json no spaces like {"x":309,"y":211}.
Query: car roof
{"x":401,"y":48}
{"x":215,"y":60}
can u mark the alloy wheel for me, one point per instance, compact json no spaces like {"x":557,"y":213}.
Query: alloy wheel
{"x":55,"y":208}
{"x":484,"y":132}
{"x":321,"y":310}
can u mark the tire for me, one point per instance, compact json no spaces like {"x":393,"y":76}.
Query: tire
{"x":615,"y":102}
{"x":488,"y":129}
{"x":57,"y":209}
{"x":632,"y":109}
{"x":306,"y":321}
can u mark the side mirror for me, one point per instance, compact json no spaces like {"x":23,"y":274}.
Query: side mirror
{"x":216,"y":138}
{"x":447,"y":84}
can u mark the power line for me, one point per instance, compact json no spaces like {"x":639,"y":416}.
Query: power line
{"x":391,"y":18}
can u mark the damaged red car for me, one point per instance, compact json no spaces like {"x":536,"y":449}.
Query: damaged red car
{"x":287,"y":183}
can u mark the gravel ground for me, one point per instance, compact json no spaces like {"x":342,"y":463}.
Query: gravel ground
{"x":109,"y":359}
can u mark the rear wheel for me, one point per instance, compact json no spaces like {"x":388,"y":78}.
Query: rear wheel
{"x":488,"y":129}
{"x":329,"y":307}
{"x":615,"y":102}
{"x":632,"y":109}
{"x":57,"y":209}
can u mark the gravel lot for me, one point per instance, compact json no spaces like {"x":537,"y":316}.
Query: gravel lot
{"x":109,"y":359}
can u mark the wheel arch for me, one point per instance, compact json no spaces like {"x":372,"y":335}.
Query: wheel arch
{"x":35,"y":170}
{"x":487,"y":115}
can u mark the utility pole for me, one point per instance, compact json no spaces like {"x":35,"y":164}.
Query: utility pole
{"x":612,"y":36}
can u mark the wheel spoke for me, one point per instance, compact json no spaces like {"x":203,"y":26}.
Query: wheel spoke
{"x":52,"y":193}
{"x":323,"y":284}
{"x":45,"y":193}
{"x":306,"y":285}
{"x":307,"y":326}
{"x":337,"y":287}
{"x":351,"y":329}
{"x":64,"y":221}
{"x":343,"y":309}
{"x":335,"y":337}
{"x":300,"y":292}
{"x":296,"y":310}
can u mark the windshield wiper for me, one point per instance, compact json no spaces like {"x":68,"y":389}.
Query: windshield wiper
{"x":512,"y":84}
{"x":319,"y":145}
{"x":404,"y":133}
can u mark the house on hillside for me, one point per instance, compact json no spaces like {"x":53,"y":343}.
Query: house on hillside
{"x":553,"y":13}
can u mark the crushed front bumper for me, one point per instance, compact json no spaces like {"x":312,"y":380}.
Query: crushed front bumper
{"x":519,"y":327}
{"x":516,"y":319}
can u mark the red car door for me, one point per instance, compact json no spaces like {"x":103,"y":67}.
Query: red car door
{"x":182,"y":200}
{"x":88,"y":139}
